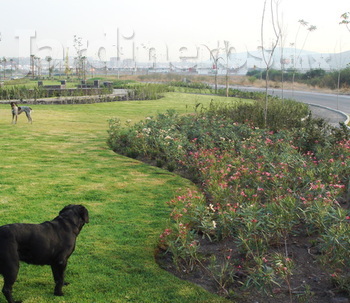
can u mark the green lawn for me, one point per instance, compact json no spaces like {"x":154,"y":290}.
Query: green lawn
{"x":62,"y":158}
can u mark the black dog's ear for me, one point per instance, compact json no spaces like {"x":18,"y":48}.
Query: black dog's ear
{"x":84,"y":214}
{"x":65,"y":209}
{"x":79,"y":210}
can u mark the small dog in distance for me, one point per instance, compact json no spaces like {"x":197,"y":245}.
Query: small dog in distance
{"x":17,"y":110}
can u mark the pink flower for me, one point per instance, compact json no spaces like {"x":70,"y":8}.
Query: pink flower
{"x":243,"y":194}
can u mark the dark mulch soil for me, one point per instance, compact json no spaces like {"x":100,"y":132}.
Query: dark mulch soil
{"x":311,"y":282}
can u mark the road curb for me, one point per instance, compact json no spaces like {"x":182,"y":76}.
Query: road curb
{"x":346,"y":116}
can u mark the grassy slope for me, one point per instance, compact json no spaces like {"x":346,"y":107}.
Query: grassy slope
{"x":62,"y":158}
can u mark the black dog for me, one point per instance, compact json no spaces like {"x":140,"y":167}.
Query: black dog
{"x":48,"y":243}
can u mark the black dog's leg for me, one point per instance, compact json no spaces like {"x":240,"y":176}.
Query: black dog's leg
{"x":58,"y":275}
{"x":10,"y":274}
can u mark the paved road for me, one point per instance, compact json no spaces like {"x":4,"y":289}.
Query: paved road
{"x":341,"y":102}
{"x":322,"y":105}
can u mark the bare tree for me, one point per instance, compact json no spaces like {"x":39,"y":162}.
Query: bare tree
{"x":346,"y":20}
{"x":67,"y":69}
{"x":80,"y":60}
{"x":228,"y":51}
{"x":268,"y":53}
{"x":215,"y":57}
{"x":83,"y":66}
{"x":38,"y":66}
{"x":11,"y":61}
{"x":49,"y":59}
{"x":4,"y":61}
{"x":309,"y":28}
{"x":32,"y":64}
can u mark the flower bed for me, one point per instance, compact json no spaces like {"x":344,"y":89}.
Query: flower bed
{"x":260,"y":190}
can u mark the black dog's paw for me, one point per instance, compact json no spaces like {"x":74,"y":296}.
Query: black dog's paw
{"x":58,"y":293}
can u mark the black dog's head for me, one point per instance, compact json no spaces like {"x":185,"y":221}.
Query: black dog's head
{"x":78,"y":213}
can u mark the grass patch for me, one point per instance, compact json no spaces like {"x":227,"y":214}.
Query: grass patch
{"x":63,"y":158}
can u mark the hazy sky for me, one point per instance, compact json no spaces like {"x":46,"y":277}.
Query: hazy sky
{"x":171,"y":28}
